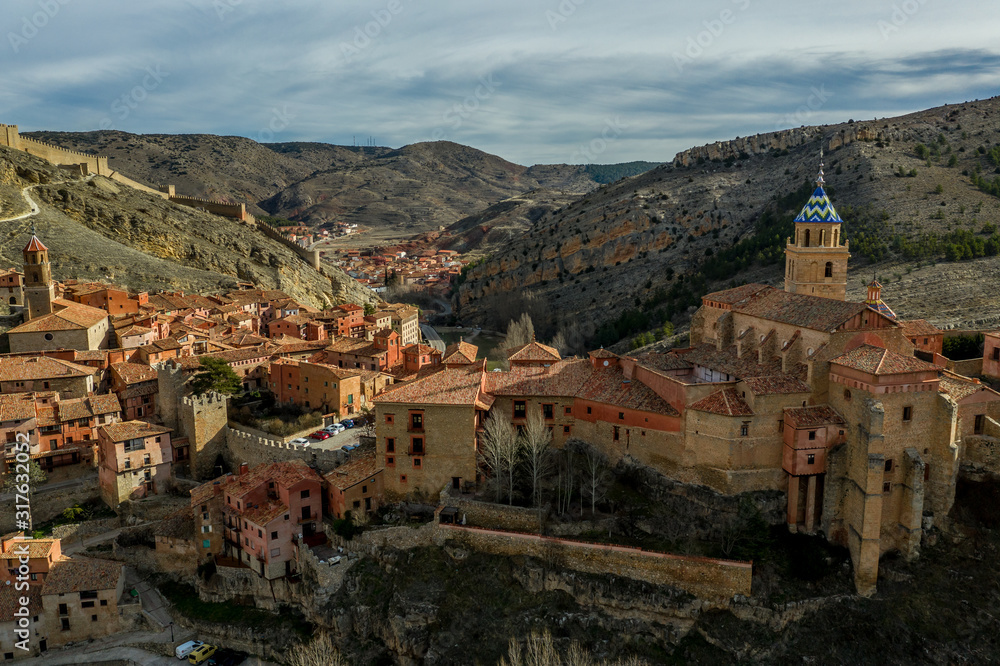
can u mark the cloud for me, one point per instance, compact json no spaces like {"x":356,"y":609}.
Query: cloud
{"x":561,"y":70}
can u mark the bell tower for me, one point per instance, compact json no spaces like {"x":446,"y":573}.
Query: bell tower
{"x":39,"y":290}
{"x":816,"y":258}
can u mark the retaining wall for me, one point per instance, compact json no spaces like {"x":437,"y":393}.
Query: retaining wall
{"x":246,"y":447}
{"x":488,"y":514}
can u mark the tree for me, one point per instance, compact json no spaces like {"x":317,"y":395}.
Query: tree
{"x":368,"y":416}
{"x":595,"y":472}
{"x":369,"y":309}
{"x":536,"y":441}
{"x":500,"y":452}
{"x":320,"y":651}
{"x":217,"y":376}
{"x":36,"y":478}
{"x":519,"y":333}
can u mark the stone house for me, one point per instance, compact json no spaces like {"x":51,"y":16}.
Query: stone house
{"x":67,"y":429}
{"x":136,"y":386}
{"x":24,"y":374}
{"x":924,"y":336}
{"x":12,"y":288}
{"x":317,"y":386}
{"x":355,"y":486}
{"x":69,"y":326}
{"x":80,"y":600}
{"x":135,"y":460}
{"x":41,"y":554}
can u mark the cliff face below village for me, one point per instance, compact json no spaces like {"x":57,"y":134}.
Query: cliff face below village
{"x":614,"y":248}
{"x":97,"y":229}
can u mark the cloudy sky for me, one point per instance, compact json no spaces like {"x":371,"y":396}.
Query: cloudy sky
{"x":534,"y":81}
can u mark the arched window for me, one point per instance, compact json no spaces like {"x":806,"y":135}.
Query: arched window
{"x":13,"y":300}
{"x":829,"y":269}
{"x":807,"y":238}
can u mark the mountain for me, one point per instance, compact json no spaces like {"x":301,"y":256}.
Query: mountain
{"x":414,"y":189}
{"x":98,"y":229}
{"x":626,"y":257}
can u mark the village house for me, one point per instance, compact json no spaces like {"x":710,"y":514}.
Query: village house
{"x":135,"y":460}
{"x":24,"y":374}
{"x":317,"y":386}
{"x":67,"y":429}
{"x":12,"y":288}
{"x":41,"y":554}
{"x":354,"y":487}
{"x":137,"y":389}
{"x":80,"y":600}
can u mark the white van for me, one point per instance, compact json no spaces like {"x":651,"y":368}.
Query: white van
{"x":185,"y":649}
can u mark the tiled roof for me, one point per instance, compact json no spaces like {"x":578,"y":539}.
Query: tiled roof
{"x":726,"y":402}
{"x":919,"y":327}
{"x":10,"y":601}
{"x":444,"y":386}
{"x":608,"y":386}
{"x":262,"y":514}
{"x":34,"y":245}
{"x":812,"y":312}
{"x":707,"y":356}
{"x":736,"y":294}
{"x":534,"y":351}
{"x":417,"y":350}
{"x":564,"y":378}
{"x":67,"y":319}
{"x":360,"y":469}
{"x":959,"y":388}
{"x":284,"y":474}
{"x":17,"y":368}
{"x":17,"y":407}
{"x":602,"y":353}
{"x":145,"y":388}
{"x":775,"y":384}
{"x":460,"y":352}
{"x":119,"y":432}
{"x":243,"y":339}
{"x":104,"y":404}
{"x":355,"y":346}
{"x":879,"y":361}
{"x":178,"y":525}
{"x":133,"y":373}
{"x":662,"y":362}
{"x":80,"y":575}
{"x":206,"y":491}
{"x":37,"y":548}
{"x":818,"y":208}
{"x":813,"y":416}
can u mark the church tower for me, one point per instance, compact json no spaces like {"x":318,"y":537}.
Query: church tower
{"x":815,"y":259}
{"x":39,"y":290}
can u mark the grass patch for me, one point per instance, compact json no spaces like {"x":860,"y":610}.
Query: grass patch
{"x":186,"y":602}
{"x":78,"y":513}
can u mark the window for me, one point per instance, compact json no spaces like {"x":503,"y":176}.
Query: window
{"x":274,"y":535}
{"x":568,"y":411}
{"x":135,"y":444}
{"x":275,"y":552}
{"x":615,"y":437}
{"x":781,"y":425}
{"x":417,"y":445}
{"x":390,"y":444}
{"x":588,"y":410}
{"x":402,"y":478}
{"x":104,"y":602}
{"x":811,"y":459}
{"x":388,"y":419}
{"x":996,"y":353}
{"x":829,"y":270}
{"x":520,"y":409}
{"x":548,"y":412}
{"x":907,"y":413}
{"x":390,"y":461}
{"x":812,"y":435}
{"x":416,"y":421}
{"x":304,"y":494}
{"x":565,"y":429}
{"x":980,"y":423}
{"x":886,"y":487}
{"x":621,"y":416}
{"x":416,"y":463}
{"x":65,"y":624}
{"x":87,"y":604}
{"x":744,"y":430}
{"x":63,"y":609}
{"x":888,"y":464}
{"x":205,"y":529}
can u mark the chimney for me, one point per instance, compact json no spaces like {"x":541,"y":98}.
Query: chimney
{"x":244,"y":468}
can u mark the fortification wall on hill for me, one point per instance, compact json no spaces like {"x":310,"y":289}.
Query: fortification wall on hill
{"x":312,"y":256}
{"x":235,"y":211}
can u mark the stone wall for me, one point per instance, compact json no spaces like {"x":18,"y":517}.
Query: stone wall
{"x":48,"y":505}
{"x":236,"y":211}
{"x":245,"y":447}
{"x":703,"y":577}
{"x":311,"y":256}
{"x":488,"y":514}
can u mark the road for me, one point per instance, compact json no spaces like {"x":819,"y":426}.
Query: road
{"x":433,"y":339}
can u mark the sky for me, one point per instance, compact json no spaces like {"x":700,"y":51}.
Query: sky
{"x":533,"y":81}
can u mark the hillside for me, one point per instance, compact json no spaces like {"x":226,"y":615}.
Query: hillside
{"x":98,"y":229}
{"x":417,"y":188}
{"x":631,"y":254}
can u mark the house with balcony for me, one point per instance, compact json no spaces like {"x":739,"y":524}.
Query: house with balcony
{"x":134,"y":460}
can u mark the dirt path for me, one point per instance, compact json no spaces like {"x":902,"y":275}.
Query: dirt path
{"x":30,"y":201}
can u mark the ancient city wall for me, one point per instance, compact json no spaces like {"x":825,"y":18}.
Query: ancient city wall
{"x":245,"y":447}
{"x":312,"y":256}
{"x":488,"y":514}
{"x":236,"y":211}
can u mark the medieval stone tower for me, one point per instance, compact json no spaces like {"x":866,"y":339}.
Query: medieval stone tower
{"x":200,"y":419}
{"x":815,"y":259}
{"x":39,"y":290}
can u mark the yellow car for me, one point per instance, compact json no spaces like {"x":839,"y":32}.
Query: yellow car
{"x":202,"y":653}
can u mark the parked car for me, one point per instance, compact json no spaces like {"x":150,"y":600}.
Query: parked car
{"x":347,"y":423}
{"x":320,"y":435}
{"x":333,"y":428}
{"x":201,"y":654}
{"x":349,"y":448}
{"x":184,"y":649}
{"x":340,"y":427}
{"x":300,"y":441}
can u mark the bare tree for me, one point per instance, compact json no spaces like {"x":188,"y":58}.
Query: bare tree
{"x":500,"y":450}
{"x":595,"y":472}
{"x":320,"y":651}
{"x":540,"y":650}
{"x":537,"y":444}
{"x":566,"y":479}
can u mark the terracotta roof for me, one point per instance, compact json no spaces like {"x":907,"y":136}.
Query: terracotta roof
{"x":178,"y":525}
{"x":726,"y":402}
{"x":602,"y":353}
{"x":880,"y":361}
{"x":775,"y":384}
{"x":919,"y":327}
{"x":17,"y":407}
{"x":608,"y":386}
{"x":17,"y":368}
{"x":812,"y":312}
{"x":34,"y":245}
{"x":564,"y":378}
{"x":243,"y":339}
{"x":206,"y":491}
{"x":262,"y":514}
{"x":67,"y":319}
{"x":80,"y":575}
{"x":417,"y":349}
{"x":706,"y":355}
{"x":959,"y":388}
{"x":284,"y":474}
{"x":355,"y":346}
{"x":10,"y":601}
{"x":662,"y":362}
{"x":813,"y":416}
{"x":443,"y":386}
{"x":736,"y":294}
{"x":358,"y":470}
{"x":534,"y":351}
{"x":119,"y":432}
{"x":37,"y":548}
{"x":460,"y":352}
{"x":84,"y":408}
{"x":133,"y":373}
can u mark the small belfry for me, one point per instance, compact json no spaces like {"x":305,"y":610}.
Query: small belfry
{"x":39,"y":290}
{"x":816,"y":258}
